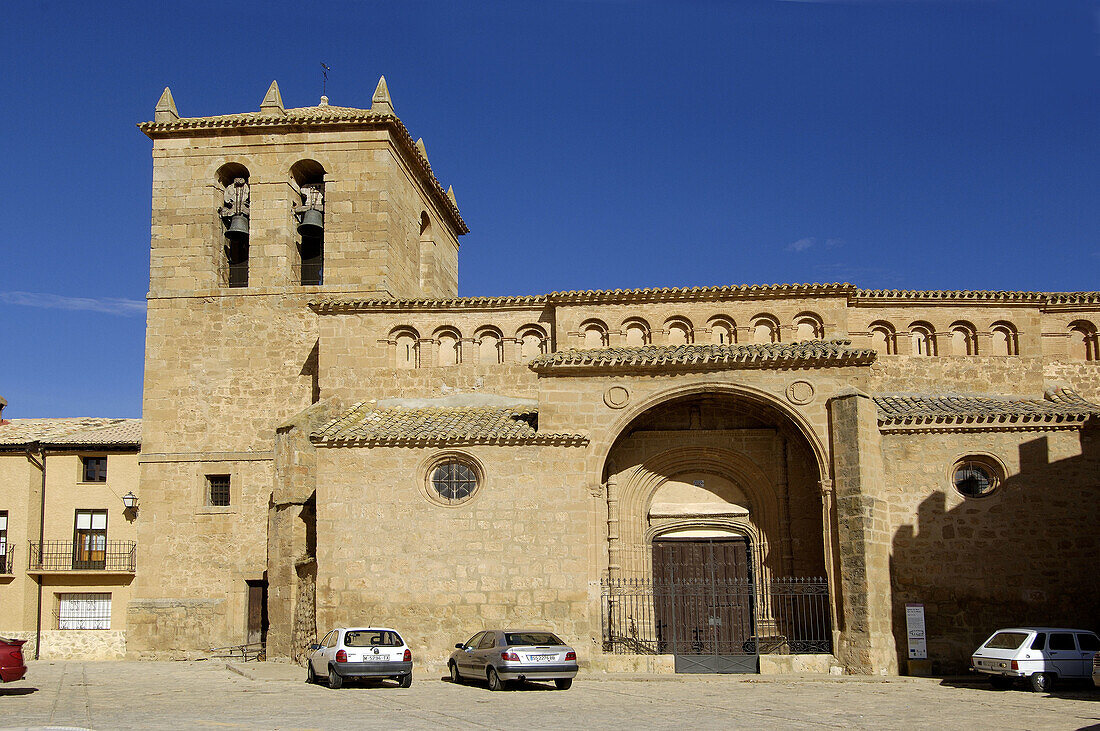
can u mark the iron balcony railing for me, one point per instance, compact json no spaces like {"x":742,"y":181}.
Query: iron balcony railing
{"x":7,"y":558}
{"x":74,"y":556}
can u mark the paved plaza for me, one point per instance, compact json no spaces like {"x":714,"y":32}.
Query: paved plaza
{"x":210,"y":694}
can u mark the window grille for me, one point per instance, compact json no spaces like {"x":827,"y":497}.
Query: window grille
{"x":453,"y":481}
{"x":218,"y":490}
{"x":975,"y":477}
{"x":84,"y":611}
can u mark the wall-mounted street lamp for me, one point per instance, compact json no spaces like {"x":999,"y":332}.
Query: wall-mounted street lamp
{"x":130,"y":500}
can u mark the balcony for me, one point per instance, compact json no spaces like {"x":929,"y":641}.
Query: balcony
{"x":68,"y":557}
{"x":7,"y":559}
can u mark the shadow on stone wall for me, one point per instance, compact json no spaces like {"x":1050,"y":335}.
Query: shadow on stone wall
{"x":1027,"y":555}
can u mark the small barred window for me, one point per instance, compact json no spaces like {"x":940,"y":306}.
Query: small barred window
{"x":976,"y":476}
{"x":217,"y":490}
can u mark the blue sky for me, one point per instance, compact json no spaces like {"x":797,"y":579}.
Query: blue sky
{"x":600,"y":144}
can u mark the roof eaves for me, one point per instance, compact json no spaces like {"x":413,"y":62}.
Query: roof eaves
{"x":332,"y":306}
{"x":1061,"y":409}
{"x":946,"y":295}
{"x":674,"y":294}
{"x":563,"y":440}
{"x":833,"y":353}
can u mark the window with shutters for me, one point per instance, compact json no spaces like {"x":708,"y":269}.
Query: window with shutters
{"x":90,"y":539}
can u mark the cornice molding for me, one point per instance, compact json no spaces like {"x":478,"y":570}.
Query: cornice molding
{"x":342,"y":306}
{"x":686,"y":294}
{"x":560,"y":440}
{"x":981,"y":426}
{"x":810,"y":354}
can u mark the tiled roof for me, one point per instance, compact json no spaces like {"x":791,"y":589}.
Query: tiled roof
{"x":319,"y":113}
{"x":686,"y":294}
{"x":977,"y":295}
{"x":950,"y":294}
{"x":708,"y":357}
{"x":673,"y":294}
{"x":1061,"y":406}
{"x":1073,"y":298}
{"x":81,"y":431}
{"x":327,"y":306}
{"x":364,"y":424}
{"x":317,"y":116}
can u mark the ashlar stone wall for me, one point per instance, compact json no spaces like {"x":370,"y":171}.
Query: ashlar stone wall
{"x":373,"y":207}
{"x":516,"y":554}
{"x":190,"y":594}
{"x":1023,"y":555}
{"x":700,"y":315}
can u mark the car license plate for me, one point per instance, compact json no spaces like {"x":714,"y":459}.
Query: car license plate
{"x":542,"y":658}
{"x":375,"y":658}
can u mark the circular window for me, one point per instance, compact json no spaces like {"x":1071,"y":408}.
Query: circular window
{"x":452,"y":478}
{"x":976,"y":476}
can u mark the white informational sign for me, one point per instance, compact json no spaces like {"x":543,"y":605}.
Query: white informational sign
{"x":914,"y":629}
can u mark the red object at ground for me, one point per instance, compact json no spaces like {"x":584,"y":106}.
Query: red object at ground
{"x":12,"y":667}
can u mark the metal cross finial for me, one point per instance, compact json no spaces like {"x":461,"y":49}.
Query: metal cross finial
{"x":324,"y":74}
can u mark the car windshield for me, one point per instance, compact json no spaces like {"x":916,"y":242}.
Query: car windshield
{"x":1006,"y":640}
{"x":372,"y":638}
{"x":531,"y":638}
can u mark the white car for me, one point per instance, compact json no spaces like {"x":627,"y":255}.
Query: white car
{"x":356,"y":653}
{"x":1039,"y":654}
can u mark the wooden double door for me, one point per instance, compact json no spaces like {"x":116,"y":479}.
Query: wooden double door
{"x":703,"y":596}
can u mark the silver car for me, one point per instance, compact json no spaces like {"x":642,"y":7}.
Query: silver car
{"x":499,"y":656}
{"x":350,"y":653}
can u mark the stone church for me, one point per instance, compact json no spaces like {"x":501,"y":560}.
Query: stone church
{"x":743,"y":477}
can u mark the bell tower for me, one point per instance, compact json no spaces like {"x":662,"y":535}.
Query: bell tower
{"x":240,"y":199}
{"x":254,"y":215}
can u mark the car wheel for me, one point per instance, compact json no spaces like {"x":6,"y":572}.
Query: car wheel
{"x":455,"y":677}
{"x":311,"y":677}
{"x":407,"y":680}
{"x":334,"y":679}
{"x":563,"y":683}
{"x":1000,"y":682}
{"x":495,"y":683}
{"x":1041,"y":682}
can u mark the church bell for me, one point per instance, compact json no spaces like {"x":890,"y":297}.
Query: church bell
{"x":238,"y":227}
{"x":312,"y":223}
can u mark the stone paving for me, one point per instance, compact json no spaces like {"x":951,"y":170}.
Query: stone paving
{"x":199,"y":695}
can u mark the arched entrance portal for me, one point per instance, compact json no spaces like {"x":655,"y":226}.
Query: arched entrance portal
{"x":716,"y":548}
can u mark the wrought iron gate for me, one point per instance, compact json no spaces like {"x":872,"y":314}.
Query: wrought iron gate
{"x":703,"y":606}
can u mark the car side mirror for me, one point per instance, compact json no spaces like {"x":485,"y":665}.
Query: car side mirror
{"x":459,"y":646}
{"x":315,"y":646}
